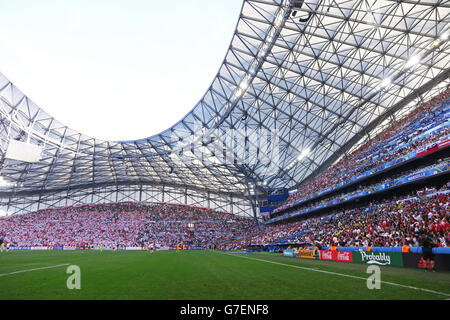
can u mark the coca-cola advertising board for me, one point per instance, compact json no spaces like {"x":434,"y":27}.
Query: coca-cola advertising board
{"x":344,"y":256}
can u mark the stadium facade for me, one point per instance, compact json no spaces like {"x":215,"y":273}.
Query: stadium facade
{"x":302,"y":84}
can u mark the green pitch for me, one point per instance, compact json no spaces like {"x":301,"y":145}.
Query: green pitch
{"x":204,"y":275}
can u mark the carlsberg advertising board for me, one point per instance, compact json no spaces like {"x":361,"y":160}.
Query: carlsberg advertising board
{"x":378,"y":258}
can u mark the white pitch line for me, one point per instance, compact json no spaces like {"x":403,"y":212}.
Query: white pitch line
{"x":35,"y":269}
{"x":340,"y":274}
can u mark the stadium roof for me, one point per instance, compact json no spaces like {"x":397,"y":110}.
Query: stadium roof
{"x":310,"y":86}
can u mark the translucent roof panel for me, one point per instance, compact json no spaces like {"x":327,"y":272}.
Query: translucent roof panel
{"x":320,"y":81}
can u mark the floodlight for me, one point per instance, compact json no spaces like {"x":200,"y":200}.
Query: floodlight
{"x":412,"y":61}
{"x":303,"y":154}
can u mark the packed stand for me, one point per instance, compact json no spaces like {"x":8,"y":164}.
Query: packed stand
{"x":401,"y":138}
{"x":387,"y":223}
{"x":444,"y":164}
{"x":124,"y":224}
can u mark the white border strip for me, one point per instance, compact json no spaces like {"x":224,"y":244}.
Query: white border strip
{"x":35,"y":269}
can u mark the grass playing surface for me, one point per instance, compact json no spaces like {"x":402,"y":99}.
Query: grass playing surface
{"x":204,"y":275}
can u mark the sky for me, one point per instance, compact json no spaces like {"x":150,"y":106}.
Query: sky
{"x":115,"y":69}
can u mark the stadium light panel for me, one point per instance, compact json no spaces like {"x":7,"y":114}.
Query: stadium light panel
{"x":5,"y":183}
{"x":412,"y":62}
{"x":244,"y":85}
{"x":303,"y":154}
{"x":23,"y":151}
{"x":444,"y":36}
{"x":436,"y":43}
{"x":385,"y":83}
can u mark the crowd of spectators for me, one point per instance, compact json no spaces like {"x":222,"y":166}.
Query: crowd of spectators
{"x":445,"y":163}
{"x":386,"y":223}
{"x":390,"y":223}
{"x":393,"y":222}
{"x":401,"y":138}
{"x":124,"y":224}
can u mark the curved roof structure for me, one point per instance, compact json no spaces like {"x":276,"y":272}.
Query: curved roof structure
{"x":299,"y":76}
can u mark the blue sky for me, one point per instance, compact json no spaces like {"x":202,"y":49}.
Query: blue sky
{"x":115,"y":69}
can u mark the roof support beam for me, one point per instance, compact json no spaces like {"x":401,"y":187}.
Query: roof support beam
{"x":372,"y":125}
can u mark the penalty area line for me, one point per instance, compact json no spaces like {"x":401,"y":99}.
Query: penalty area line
{"x":34,"y":269}
{"x":339,"y":274}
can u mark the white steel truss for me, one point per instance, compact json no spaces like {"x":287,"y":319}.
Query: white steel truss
{"x":323,"y":80}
